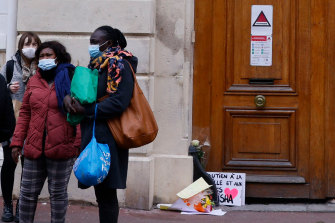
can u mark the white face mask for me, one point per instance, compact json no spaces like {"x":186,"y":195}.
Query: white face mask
{"x":29,"y":52}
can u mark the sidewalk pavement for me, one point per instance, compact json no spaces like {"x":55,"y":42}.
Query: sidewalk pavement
{"x":272,"y":213}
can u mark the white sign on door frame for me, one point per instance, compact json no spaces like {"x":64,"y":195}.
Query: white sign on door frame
{"x":261,"y":35}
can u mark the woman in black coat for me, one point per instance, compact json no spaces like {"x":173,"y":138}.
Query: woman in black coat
{"x":7,"y":126}
{"x":7,"y":118}
{"x":116,"y":80}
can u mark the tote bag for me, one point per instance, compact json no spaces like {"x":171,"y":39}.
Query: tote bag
{"x":137,"y":124}
{"x":92,"y":165}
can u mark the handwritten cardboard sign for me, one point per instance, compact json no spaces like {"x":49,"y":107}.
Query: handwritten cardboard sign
{"x":230,"y":187}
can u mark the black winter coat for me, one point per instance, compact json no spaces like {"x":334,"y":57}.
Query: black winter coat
{"x":7,"y":118}
{"x":110,"y":107}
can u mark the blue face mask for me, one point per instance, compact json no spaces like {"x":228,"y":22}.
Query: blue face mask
{"x":47,"y":64}
{"x":94,"y":50}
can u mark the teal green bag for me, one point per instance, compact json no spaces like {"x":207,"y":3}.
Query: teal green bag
{"x":83,"y":88}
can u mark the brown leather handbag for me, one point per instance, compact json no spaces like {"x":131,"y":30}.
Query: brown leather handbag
{"x":137,"y":125}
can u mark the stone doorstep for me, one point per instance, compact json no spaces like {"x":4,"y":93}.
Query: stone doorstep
{"x":292,"y":207}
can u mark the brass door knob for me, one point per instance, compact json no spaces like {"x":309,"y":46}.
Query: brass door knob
{"x":260,"y":101}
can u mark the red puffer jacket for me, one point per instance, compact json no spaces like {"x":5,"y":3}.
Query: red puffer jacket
{"x":39,"y":112}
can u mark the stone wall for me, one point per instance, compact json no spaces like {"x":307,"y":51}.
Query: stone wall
{"x":3,"y":30}
{"x":159,"y":34}
{"x":3,"y":25}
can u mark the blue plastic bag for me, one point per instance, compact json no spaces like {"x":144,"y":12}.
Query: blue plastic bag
{"x":92,"y":165}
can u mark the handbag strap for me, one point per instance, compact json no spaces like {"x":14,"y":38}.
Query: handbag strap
{"x":95,"y":116}
{"x":132,"y":70}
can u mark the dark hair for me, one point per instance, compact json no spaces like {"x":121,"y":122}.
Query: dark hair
{"x":62,"y":55}
{"x":115,"y":35}
{"x":30,"y":36}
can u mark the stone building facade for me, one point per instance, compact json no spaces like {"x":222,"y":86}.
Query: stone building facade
{"x":159,"y":33}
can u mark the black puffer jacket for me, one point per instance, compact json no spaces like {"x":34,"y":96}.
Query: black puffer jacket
{"x":7,"y":119}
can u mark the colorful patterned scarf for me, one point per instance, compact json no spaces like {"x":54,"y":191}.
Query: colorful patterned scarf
{"x":112,"y":59}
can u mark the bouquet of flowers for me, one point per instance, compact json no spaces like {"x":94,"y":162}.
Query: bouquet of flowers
{"x":202,"y":151}
{"x":194,"y":199}
{"x":201,"y":202}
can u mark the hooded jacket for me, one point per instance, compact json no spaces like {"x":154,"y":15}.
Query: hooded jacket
{"x":42,"y":127}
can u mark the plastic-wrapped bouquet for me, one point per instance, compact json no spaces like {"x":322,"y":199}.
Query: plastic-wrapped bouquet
{"x":194,"y":199}
{"x":201,"y":202}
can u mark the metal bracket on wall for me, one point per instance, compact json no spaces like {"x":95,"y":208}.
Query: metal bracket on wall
{"x":193,"y":36}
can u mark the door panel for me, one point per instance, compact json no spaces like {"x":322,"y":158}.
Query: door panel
{"x":239,"y":70}
{"x":260,"y":139}
{"x":282,"y":146}
{"x":273,"y":134}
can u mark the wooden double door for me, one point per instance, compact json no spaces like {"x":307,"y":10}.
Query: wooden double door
{"x":287,"y":147}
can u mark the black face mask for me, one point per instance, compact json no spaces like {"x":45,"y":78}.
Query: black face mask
{"x":48,"y":75}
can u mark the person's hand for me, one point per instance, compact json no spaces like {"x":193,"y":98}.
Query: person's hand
{"x":67,"y":101}
{"x":78,"y":108}
{"x":16,"y":152}
{"x":14,"y":87}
